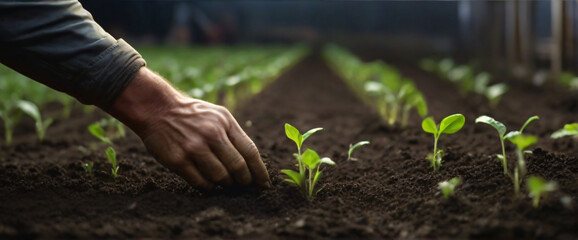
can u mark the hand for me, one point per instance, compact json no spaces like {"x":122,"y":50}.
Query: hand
{"x":199,"y":141}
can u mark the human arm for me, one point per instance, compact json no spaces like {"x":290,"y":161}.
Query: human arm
{"x":60,"y":45}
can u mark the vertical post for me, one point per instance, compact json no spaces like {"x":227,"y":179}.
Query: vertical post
{"x":511,"y":17}
{"x":556,"y":40}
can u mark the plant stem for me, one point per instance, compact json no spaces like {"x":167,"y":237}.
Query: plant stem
{"x":393,"y":113}
{"x":536,"y":200}
{"x":405,"y":117}
{"x":8,"y":135}
{"x":310,"y":185}
{"x":516,"y":182}
{"x":504,"y":162}
{"x":300,"y":162}
{"x":433,"y":161}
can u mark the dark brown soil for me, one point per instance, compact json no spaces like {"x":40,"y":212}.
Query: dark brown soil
{"x":390,"y":192}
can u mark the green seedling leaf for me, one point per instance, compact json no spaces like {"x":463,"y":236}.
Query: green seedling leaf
{"x":448,"y":187}
{"x":310,"y":132}
{"x":355,"y":146}
{"x":568,"y":130}
{"x":111,"y":155}
{"x":295,"y":177}
{"x":500,"y":127}
{"x":523,"y":141}
{"x":528,"y":122}
{"x":30,"y":109}
{"x":512,"y":134}
{"x":293,"y":134}
{"x":537,"y":186}
{"x":481,"y":82}
{"x":96,"y":130}
{"x":327,"y":160}
{"x":311,"y":159}
{"x":429,"y":126}
{"x":452,"y":124}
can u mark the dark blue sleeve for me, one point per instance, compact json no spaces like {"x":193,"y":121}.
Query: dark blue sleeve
{"x":60,"y":45}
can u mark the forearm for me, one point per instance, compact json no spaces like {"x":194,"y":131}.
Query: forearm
{"x":60,"y":45}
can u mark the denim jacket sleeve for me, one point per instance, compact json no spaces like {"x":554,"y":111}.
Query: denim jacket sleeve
{"x":60,"y":45}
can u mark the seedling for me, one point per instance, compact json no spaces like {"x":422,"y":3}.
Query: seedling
{"x":309,"y":163}
{"x":447,"y":187}
{"x":449,"y":125}
{"x":514,"y":133}
{"x":98,"y":132}
{"x":494,"y":93}
{"x":32,"y":110}
{"x":294,"y":134}
{"x":353,"y":147}
{"x":537,"y":187}
{"x":88,"y":167}
{"x":501,"y":128}
{"x":570,"y":129}
{"x":522,"y":142}
{"x":10,"y":115}
{"x":111,"y":155}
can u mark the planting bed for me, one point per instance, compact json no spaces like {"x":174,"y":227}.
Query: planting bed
{"x":389,"y":192}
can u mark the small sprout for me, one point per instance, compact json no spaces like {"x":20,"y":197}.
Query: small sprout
{"x":32,"y":110}
{"x":449,"y":125}
{"x":294,"y":134}
{"x":537,"y":187}
{"x":494,"y":93}
{"x":522,"y":142}
{"x":111,"y":155}
{"x":570,"y":129}
{"x":353,"y":147}
{"x":447,"y":187}
{"x":98,"y":132}
{"x":88,"y":167}
{"x":10,"y":115}
{"x":306,"y":182}
{"x":501,"y":128}
{"x":309,"y":163}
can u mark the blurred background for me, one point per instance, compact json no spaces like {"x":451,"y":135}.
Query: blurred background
{"x":517,"y":37}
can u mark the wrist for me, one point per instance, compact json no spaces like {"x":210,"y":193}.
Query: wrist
{"x":147,"y":97}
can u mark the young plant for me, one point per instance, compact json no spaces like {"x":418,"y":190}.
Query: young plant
{"x":353,"y":147}
{"x":309,"y":163}
{"x":111,"y":155}
{"x":501,"y":128}
{"x":570,"y":129}
{"x":537,"y":187}
{"x":32,"y":110}
{"x":88,"y":167}
{"x":294,"y":134}
{"x":514,"y":133}
{"x":447,"y":187}
{"x":449,"y":125}
{"x":494,"y":93}
{"x":306,"y":182}
{"x":98,"y":132}
{"x":522,"y":142}
{"x":10,"y":115}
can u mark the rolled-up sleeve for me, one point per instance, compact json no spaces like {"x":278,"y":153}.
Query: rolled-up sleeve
{"x":60,"y":45}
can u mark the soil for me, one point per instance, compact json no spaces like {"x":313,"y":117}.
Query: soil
{"x":389,"y":192}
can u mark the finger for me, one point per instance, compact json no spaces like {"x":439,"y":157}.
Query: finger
{"x":249,"y":151}
{"x":233,"y":161}
{"x":192,"y":175}
{"x":211,"y":168}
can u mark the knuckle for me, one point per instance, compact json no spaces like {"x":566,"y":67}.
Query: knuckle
{"x":221,"y":176}
{"x":238,"y":165}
